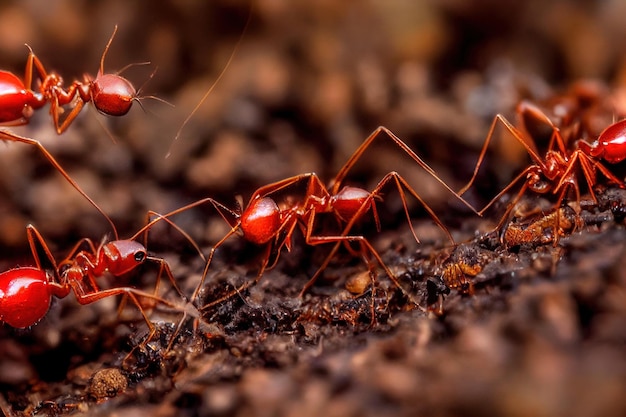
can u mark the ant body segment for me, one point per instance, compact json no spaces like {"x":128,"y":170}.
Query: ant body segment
{"x":110,"y":94}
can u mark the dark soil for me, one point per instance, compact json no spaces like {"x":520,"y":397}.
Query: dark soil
{"x":532,"y":322}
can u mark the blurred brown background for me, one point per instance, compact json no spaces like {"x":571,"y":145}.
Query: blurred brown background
{"x":308,"y":82}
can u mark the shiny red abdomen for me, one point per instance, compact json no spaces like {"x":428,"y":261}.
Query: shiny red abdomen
{"x":14,"y":98}
{"x":24,"y":296}
{"x":260,"y":221}
{"x":611,"y":145}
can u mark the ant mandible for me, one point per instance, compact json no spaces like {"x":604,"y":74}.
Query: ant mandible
{"x":558,"y":170}
{"x":26,"y":292}
{"x":270,"y":223}
{"x":110,"y":94}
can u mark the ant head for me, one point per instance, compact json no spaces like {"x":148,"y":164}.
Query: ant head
{"x":112,"y":94}
{"x":122,"y":256}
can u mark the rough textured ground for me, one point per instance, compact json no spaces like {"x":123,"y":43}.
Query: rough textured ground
{"x":543,"y":332}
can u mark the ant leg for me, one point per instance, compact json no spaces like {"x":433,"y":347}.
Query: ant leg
{"x":165,"y":218}
{"x":609,"y":175}
{"x":33,"y":235}
{"x":235,"y":291}
{"x":230,"y":216}
{"x":401,"y":185}
{"x":58,"y":97}
{"x":522,"y":175}
{"x":511,"y":205}
{"x":221,"y":209}
{"x":526,"y":107}
{"x":208,"y":263}
{"x":530,"y":148}
{"x":81,"y":267}
{"x":366,"y":248}
{"x":315,"y":186}
{"x":135,"y":295}
{"x":5,"y":135}
{"x":275,"y":245}
{"x":227,"y":214}
{"x":29,"y":71}
{"x":91,"y":248}
{"x":288,"y":224}
{"x":338,"y":180}
{"x":165,"y":267}
{"x":589,"y":166}
{"x":55,"y":111}
{"x":60,"y":286}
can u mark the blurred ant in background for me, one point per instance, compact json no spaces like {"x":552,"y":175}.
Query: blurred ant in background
{"x":573,"y":150}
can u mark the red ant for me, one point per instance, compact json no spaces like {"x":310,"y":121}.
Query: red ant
{"x":26,"y":292}
{"x":271,"y":224}
{"x":556,"y":172}
{"x":110,"y":94}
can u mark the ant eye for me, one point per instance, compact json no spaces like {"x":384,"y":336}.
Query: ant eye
{"x":140,"y":256}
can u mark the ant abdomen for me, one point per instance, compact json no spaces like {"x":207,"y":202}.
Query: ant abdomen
{"x":25,"y":296}
{"x":261,"y":220}
{"x":611,"y":144}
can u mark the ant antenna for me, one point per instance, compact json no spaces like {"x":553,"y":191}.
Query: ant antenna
{"x":217,"y":80}
{"x":106,"y":49}
{"x":138,"y":96}
{"x":135,"y":64}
